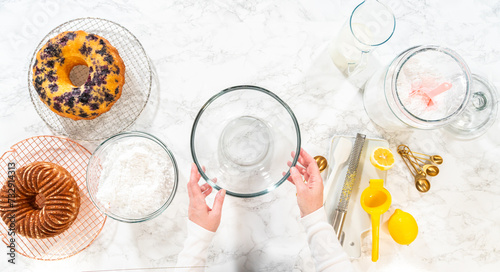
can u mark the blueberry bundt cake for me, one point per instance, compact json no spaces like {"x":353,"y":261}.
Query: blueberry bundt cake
{"x":56,"y":59}
{"x":44,"y":202}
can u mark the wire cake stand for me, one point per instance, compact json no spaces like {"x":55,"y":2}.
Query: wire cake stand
{"x":90,"y":221}
{"x":135,"y":92}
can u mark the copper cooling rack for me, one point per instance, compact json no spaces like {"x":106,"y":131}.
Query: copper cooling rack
{"x":74,"y":158}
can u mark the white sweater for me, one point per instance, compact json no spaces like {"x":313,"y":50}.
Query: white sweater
{"x":325,"y":248}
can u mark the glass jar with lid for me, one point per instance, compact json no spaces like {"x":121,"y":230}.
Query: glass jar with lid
{"x":424,"y":87}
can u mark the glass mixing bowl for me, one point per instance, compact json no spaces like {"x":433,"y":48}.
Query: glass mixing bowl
{"x":244,"y":136}
{"x":132,"y":177}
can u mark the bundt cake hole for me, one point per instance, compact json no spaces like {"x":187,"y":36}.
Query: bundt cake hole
{"x":39,"y":201}
{"x":79,"y":75}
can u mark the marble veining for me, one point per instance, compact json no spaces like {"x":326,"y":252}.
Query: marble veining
{"x":199,"y":48}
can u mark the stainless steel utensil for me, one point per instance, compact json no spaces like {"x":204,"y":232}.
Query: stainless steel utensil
{"x":341,"y":211}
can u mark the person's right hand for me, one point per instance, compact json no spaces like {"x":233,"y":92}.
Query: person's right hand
{"x":307,"y":179}
{"x":199,"y":212}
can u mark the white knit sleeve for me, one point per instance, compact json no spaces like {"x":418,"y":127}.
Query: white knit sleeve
{"x":326,"y":250}
{"x":193,"y":256}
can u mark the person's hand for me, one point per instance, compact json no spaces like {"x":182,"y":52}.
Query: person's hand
{"x":199,"y":212}
{"x":308,"y":182}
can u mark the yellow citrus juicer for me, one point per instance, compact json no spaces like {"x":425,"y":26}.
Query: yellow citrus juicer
{"x":375,"y":200}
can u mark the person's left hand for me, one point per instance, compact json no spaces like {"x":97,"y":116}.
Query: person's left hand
{"x":198,"y":211}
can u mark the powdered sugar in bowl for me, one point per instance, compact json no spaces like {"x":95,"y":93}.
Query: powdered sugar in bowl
{"x":132,"y":177}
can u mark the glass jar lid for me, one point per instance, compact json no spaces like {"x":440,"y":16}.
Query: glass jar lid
{"x":431,"y":85}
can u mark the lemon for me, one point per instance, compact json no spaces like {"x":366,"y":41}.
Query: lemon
{"x":382,"y":158}
{"x":403,"y":227}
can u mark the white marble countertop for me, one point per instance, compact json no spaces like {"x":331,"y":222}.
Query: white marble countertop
{"x":201,"y":47}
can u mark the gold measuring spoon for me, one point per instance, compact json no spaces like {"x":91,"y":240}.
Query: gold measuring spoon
{"x":436,"y":159}
{"x":430,"y":170}
{"x":321,"y":162}
{"x":422,"y":184}
{"x":421,"y":163}
{"x":403,"y":149}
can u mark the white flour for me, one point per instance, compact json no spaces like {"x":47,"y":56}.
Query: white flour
{"x":136,"y":179}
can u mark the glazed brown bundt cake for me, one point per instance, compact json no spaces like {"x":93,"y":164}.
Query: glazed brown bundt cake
{"x":46,"y":203}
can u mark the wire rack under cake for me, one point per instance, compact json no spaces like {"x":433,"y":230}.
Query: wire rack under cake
{"x":135,"y":92}
{"x":87,"y":226}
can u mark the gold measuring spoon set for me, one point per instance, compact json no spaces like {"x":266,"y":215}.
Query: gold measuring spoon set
{"x":421,"y":166}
